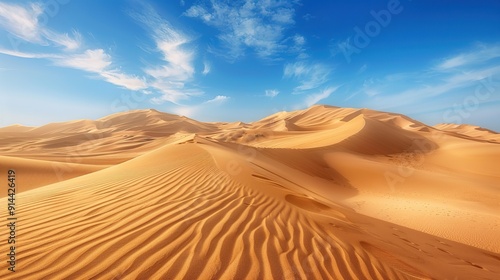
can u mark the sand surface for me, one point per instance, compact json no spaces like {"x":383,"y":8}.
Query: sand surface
{"x":322,"y":193}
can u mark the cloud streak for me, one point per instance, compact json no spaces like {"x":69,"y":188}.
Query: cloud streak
{"x":453,"y":76}
{"x":219,"y":99}
{"x":99,"y":62}
{"x":480,"y":54}
{"x":28,"y":55}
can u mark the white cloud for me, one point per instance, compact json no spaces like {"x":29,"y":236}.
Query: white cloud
{"x":171,"y":77}
{"x":295,"y":69}
{"x":445,"y":85}
{"x":259,"y":25}
{"x":299,"y":40}
{"x":94,"y":61}
{"x":298,"y":46}
{"x":206,"y":68}
{"x":27,"y":55}
{"x":172,"y":92}
{"x":219,"y":99}
{"x":452,"y":79}
{"x":99,"y":62}
{"x":315,"y":98}
{"x":195,"y":110}
{"x":23,"y":22}
{"x":199,"y":11}
{"x":124,"y":80}
{"x":187,"y":111}
{"x":272,"y":93}
{"x":65,"y":40}
{"x":480,"y":54}
{"x":90,"y":60}
{"x":310,"y":75}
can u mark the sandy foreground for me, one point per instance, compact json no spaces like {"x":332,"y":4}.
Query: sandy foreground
{"x":322,"y":193}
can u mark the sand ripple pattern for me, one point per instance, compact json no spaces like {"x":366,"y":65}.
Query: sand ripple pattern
{"x":186,"y":220}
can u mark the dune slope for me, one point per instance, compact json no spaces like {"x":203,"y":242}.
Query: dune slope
{"x":322,"y":193}
{"x":152,"y":218}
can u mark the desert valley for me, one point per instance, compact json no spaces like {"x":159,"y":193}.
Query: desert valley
{"x":320,"y":193}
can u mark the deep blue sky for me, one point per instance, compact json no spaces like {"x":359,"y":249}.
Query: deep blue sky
{"x":436,"y":61}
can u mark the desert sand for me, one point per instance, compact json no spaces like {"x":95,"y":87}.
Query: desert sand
{"x":321,"y":193}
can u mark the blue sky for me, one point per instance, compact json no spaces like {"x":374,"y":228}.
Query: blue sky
{"x":436,"y":61}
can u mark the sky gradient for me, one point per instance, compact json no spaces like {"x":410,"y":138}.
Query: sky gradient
{"x":435,"y":61}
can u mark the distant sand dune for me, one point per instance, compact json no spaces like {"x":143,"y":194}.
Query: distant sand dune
{"x":164,"y":197}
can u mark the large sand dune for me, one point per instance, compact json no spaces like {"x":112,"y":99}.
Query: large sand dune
{"x":322,"y":193}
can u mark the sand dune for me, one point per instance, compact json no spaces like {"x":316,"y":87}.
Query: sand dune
{"x":42,"y":172}
{"x":297,"y":195}
{"x":470,"y":132}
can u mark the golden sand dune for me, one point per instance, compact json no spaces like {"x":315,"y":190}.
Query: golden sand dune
{"x":470,"y":131}
{"x":323,"y":193}
{"x":43,"y":172}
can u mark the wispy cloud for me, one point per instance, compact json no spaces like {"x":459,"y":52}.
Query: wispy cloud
{"x":480,"y":54}
{"x":93,"y":61}
{"x":99,"y":62}
{"x":309,"y":75}
{"x":90,"y":60}
{"x":171,"y":77}
{"x":298,"y":46}
{"x":272,"y":93}
{"x":259,"y":25}
{"x":22,"y":21}
{"x":451,"y":77}
{"x":206,"y":68}
{"x":28,"y":55}
{"x":316,"y":97}
{"x":219,"y":99}
{"x":194,"y":110}
{"x":68,"y":42}
{"x":127,"y":81}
